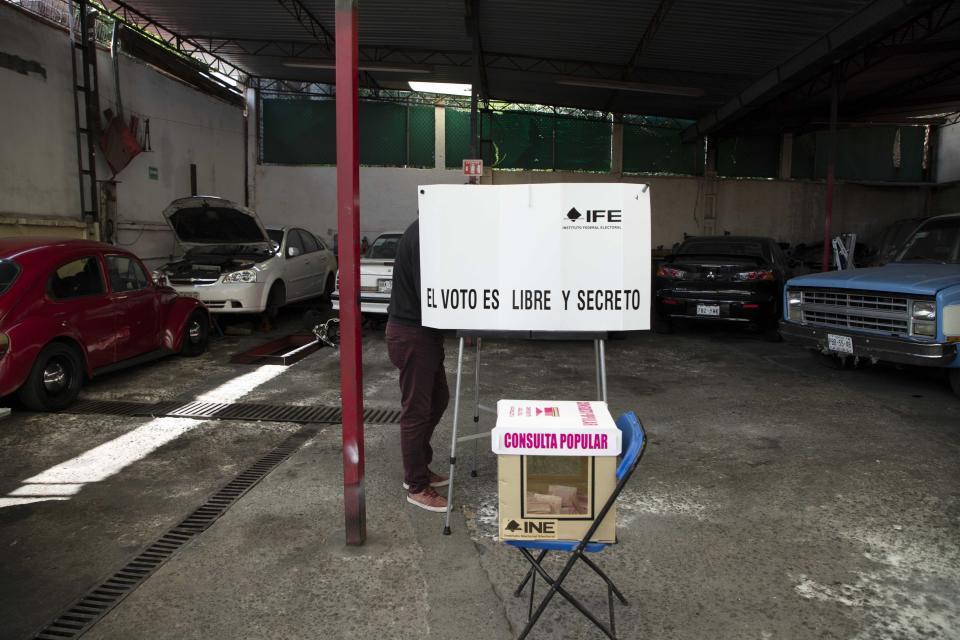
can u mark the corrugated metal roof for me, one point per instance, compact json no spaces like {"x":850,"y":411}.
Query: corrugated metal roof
{"x":719,"y":46}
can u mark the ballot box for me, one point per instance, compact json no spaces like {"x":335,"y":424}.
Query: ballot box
{"x":557,"y":464}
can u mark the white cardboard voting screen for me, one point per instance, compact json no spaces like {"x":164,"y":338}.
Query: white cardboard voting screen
{"x":545,"y":257}
{"x":554,"y":428}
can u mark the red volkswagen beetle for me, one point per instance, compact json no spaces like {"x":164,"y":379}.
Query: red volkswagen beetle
{"x":73,"y":309}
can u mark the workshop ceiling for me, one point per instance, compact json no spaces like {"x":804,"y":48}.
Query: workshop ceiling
{"x":731,"y":65}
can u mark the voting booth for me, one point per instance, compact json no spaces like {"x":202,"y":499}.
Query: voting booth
{"x":556,"y":467}
{"x":516,"y":261}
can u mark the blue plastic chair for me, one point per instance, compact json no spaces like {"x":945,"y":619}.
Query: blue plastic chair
{"x":634,"y":442}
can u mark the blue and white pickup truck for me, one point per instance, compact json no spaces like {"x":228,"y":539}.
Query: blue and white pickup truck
{"x":907,"y":311}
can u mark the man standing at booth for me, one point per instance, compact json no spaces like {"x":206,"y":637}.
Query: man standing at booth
{"x":417,"y":351}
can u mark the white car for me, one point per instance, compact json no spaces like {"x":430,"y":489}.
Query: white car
{"x":234,"y":264}
{"x":376,"y":275}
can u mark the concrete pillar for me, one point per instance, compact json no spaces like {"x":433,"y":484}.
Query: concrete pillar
{"x":440,"y":136}
{"x":786,"y":157}
{"x":616,"y":147}
{"x":251,"y":147}
{"x":709,"y":224}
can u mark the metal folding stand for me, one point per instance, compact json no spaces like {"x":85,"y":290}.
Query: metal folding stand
{"x":599,"y":352}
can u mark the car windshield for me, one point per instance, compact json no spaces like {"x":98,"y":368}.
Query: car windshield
{"x":260,"y":249}
{"x":936,"y":241}
{"x":384,"y":247}
{"x":721,"y":247}
{"x":8,"y":273}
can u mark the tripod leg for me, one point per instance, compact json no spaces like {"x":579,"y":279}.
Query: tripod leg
{"x":476,"y":409}
{"x":453,"y":440}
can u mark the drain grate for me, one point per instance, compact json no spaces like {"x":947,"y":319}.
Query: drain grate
{"x":89,"y":609}
{"x":232,"y":411}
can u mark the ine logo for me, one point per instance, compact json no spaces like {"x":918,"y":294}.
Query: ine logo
{"x":531,"y":527}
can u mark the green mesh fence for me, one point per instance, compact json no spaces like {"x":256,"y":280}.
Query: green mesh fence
{"x":457,"y":137}
{"x":749,"y":156}
{"x":422,"y":136}
{"x":657,"y":149}
{"x":523,"y":141}
{"x":383,"y":134}
{"x":298,"y":132}
{"x":583,"y":145}
{"x":301,"y":131}
{"x":883,"y":154}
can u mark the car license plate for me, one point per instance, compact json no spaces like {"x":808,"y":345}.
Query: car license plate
{"x":708,"y":310}
{"x":840,"y":344}
{"x":190,"y":294}
{"x":385,"y":286}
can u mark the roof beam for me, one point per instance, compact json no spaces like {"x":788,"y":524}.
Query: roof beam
{"x":841,"y":42}
{"x":648,"y":34}
{"x":369,"y":55}
{"x":904,"y":90}
{"x":124,"y":13}
{"x":309,"y":22}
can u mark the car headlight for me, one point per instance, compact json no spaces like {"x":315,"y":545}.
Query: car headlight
{"x":794,"y":300}
{"x":925,"y":311}
{"x":247,"y":275}
{"x":928,"y":329}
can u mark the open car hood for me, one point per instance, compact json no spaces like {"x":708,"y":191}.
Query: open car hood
{"x":208,"y":220}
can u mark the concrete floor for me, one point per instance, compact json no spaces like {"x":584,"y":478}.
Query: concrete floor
{"x":777,"y":499}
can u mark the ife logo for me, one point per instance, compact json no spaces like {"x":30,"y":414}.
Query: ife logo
{"x":593,"y":218}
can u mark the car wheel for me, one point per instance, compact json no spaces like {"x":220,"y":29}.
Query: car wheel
{"x":275,"y":299}
{"x":954,"y":376}
{"x":55,"y":379}
{"x":329,"y":287}
{"x":196,"y":335}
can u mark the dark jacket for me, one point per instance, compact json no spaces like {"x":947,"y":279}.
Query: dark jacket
{"x":405,"y":298}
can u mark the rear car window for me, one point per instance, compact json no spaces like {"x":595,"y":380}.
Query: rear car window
{"x":722,"y":248}
{"x":76,"y":279}
{"x":936,"y":241}
{"x":384,"y":248}
{"x":8,"y":273}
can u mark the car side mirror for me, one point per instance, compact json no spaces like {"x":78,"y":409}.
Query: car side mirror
{"x":292,"y":252}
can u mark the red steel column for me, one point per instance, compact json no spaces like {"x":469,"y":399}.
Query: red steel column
{"x":348,"y":229}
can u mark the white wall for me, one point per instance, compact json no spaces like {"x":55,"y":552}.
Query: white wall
{"x":786,"y":210}
{"x":306,"y":196}
{"x":38,"y":154}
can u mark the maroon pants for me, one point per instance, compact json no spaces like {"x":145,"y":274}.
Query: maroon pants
{"x":418,"y":353}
